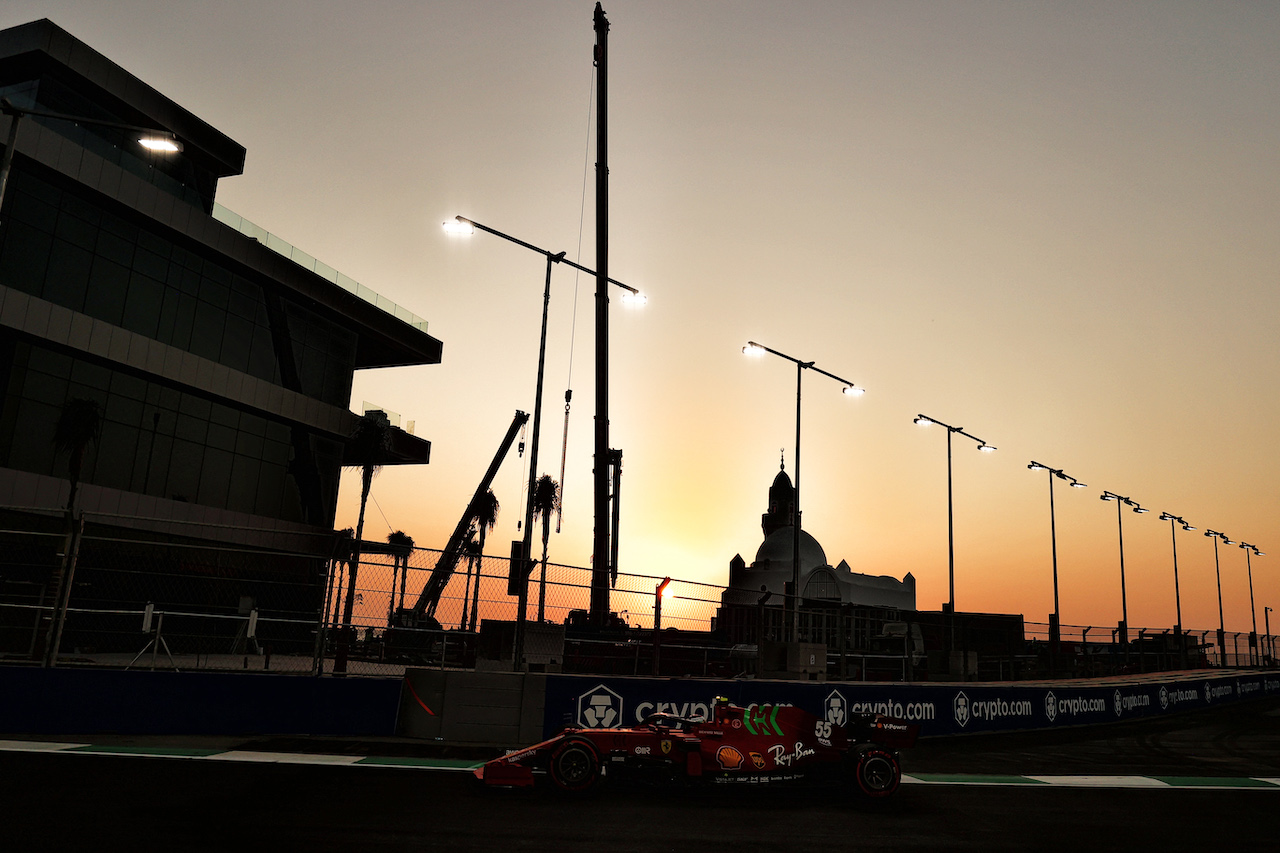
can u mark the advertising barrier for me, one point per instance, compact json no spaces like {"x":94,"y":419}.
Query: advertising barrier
{"x":939,"y":709}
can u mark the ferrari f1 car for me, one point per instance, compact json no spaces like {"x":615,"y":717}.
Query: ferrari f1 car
{"x":759,"y":743}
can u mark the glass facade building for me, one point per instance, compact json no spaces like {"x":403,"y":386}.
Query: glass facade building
{"x":221,"y":363}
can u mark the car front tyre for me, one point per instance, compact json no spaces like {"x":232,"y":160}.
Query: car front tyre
{"x":575,"y":766}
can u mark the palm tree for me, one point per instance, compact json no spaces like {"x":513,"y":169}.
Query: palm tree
{"x":546,"y":500}
{"x":486,"y":515}
{"x":343,"y":543}
{"x":472,"y":552}
{"x":338,"y":556}
{"x":400,"y":565}
{"x":79,"y":425}
{"x":369,"y":444}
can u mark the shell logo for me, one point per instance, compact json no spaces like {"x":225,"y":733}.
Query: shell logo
{"x":729,"y":758}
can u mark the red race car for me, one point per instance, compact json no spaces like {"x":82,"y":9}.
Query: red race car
{"x":759,"y":743}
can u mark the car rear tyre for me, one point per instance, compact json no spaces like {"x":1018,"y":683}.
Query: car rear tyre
{"x":575,"y":766}
{"x":878,"y":773}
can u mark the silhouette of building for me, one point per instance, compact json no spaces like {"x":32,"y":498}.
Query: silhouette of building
{"x":820,"y":582}
{"x":221,"y":357}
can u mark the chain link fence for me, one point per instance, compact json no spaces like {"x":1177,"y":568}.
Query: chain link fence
{"x":141,"y":599}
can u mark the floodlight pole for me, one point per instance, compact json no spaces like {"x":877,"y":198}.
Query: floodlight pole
{"x":1249,"y":551}
{"x":1055,"y":622}
{"x":753,"y":348}
{"x":1121,"y":501}
{"x":1217,"y":571}
{"x":1174,"y":521}
{"x":949,"y":633}
{"x":527,"y":541}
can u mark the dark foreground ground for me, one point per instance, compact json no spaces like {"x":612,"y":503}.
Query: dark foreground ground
{"x":69,"y":802}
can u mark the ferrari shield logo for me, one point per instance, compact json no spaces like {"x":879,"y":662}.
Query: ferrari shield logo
{"x":666,"y":747}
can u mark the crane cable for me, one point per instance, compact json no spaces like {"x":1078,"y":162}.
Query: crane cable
{"x":573,"y":330}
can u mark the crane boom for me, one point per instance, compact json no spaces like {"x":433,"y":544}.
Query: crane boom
{"x":429,"y":599}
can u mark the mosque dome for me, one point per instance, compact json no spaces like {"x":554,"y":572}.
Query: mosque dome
{"x":779,"y":548}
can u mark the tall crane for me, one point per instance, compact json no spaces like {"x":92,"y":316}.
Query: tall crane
{"x":425,"y":608}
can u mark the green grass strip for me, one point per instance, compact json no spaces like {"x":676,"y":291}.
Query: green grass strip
{"x":437,"y":763}
{"x":1213,"y":782}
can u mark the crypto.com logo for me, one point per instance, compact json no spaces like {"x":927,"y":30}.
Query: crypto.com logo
{"x":961,"y":707}
{"x":837,"y":708}
{"x":1051,"y":706}
{"x":599,"y":708}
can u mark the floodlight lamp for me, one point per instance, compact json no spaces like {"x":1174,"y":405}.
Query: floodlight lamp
{"x":853,"y":391}
{"x":753,"y":349}
{"x":459,"y":227}
{"x":1036,"y":466}
{"x":1107,"y":496}
{"x":922,"y":420}
{"x":1164,"y":516}
{"x":634,"y":298}
{"x":1186,"y":526}
{"x":986,"y":448}
{"x":1076,"y":484}
{"x":1140,"y":509}
{"x":161,"y":144}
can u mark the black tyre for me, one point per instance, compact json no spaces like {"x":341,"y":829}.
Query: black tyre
{"x":575,"y":766}
{"x":878,"y":772}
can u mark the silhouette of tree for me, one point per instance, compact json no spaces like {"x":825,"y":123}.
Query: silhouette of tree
{"x":79,"y":425}
{"x":546,"y":500}
{"x":471,"y":549}
{"x":344,"y":542}
{"x":486,"y":516}
{"x":369,"y":443}
{"x":399,"y":565}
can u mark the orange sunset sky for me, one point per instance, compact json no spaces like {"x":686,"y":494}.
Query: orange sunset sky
{"x":1054,"y":224}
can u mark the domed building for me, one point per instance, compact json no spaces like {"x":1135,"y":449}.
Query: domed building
{"x":771,"y":571}
{"x":825,"y":589}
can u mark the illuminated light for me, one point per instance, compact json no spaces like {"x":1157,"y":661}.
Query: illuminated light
{"x":634,"y":298}
{"x":1186,"y":526}
{"x":986,"y":448}
{"x":1078,"y":485}
{"x":459,"y":227}
{"x":922,"y":420}
{"x":753,"y":349}
{"x":161,"y":144}
{"x":851,"y":391}
{"x":1140,"y":509}
{"x":1108,"y":497}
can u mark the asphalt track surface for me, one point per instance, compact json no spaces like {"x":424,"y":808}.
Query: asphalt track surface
{"x":59,"y":801}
